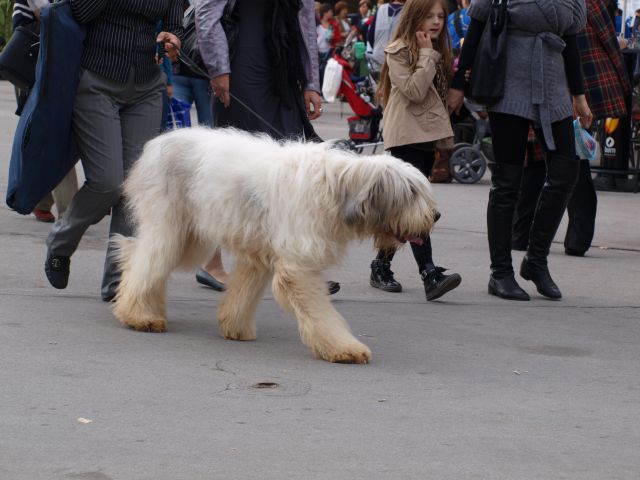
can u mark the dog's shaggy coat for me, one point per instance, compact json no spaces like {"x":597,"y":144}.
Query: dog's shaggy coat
{"x":285,"y":210}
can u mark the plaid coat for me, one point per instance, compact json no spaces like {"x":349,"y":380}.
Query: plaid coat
{"x":605,"y":75}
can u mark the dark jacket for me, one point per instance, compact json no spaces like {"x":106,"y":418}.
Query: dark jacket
{"x":42,"y":152}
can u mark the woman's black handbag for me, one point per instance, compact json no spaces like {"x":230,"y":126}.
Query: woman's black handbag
{"x":486,"y":85}
{"x":19,"y":57}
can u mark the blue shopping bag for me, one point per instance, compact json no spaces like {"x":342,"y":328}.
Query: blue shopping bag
{"x":178,"y":116}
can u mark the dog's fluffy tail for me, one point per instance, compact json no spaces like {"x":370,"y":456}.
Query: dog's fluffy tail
{"x":123,"y":248}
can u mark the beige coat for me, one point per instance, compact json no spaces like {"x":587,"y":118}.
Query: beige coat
{"x":415,"y":113}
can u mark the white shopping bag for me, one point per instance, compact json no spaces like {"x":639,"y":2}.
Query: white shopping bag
{"x":332,"y":80}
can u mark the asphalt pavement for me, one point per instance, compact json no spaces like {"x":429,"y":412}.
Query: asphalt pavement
{"x":468,"y":387}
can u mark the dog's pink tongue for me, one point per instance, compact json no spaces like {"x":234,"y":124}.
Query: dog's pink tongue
{"x":412,"y":239}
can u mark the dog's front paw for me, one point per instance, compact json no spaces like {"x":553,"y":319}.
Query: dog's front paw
{"x":354,"y":353}
{"x":241,"y":334}
{"x":154,"y":324}
{"x":146,"y":323}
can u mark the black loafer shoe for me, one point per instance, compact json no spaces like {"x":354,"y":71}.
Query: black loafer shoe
{"x":540,"y":275}
{"x":57,"y":270}
{"x":574,"y":253}
{"x":204,"y":278}
{"x":436,"y":283}
{"x":333,"y":287}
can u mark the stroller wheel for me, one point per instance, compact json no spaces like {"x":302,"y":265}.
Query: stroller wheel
{"x":344,"y":145}
{"x":467,"y":164}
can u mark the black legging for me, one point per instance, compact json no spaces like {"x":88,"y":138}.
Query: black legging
{"x":510,"y":135}
{"x":423,"y":160}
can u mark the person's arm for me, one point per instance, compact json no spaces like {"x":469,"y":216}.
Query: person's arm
{"x":414,"y":85}
{"x":23,"y":14}
{"x":310,"y":60}
{"x":172,"y":30}
{"x":575,"y":80}
{"x":468,"y":53}
{"x":87,"y":10}
{"x":212,"y":40}
{"x":36,"y":6}
{"x":572,"y":65}
{"x":307,"y":18}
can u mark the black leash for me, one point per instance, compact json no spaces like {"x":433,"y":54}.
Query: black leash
{"x":194,"y":67}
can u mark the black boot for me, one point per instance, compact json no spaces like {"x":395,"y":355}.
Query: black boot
{"x":505,"y":182}
{"x":562,"y":174}
{"x":541,"y":277}
{"x":436,"y":283}
{"x":507,"y":288}
{"x":532,"y":181}
{"x":382,"y":276}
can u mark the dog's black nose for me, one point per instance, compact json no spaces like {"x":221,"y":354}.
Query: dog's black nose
{"x":436,"y":216}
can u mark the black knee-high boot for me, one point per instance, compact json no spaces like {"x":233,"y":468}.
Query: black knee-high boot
{"x":562,"y":175}
{"x":533,"y":178}
{"x":505,"y":182}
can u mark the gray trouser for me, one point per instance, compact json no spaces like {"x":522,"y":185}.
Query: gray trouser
{"x":112,"y":121}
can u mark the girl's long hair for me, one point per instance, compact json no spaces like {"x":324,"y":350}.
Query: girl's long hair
{"x":412,"y":15}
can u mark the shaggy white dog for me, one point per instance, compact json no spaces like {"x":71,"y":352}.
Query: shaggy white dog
{"x":286,"y":210}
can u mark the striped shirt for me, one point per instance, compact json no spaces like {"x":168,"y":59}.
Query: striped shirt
{"x":22,"y":14}
{"x":121,"y":35}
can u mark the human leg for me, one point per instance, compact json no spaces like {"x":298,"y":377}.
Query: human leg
{"x":140,"y":115}
{"x":96,"y":126}
{"x":582,"y":209}
{"x":436,"y":283}
{"x":202,"y":99}
{"x":533,"y":177}
{"x":42,"y":211}
{"x":212,"y":274}
{"x":562,"y":175}
{"x":65,"y":190}
{"x":509,"y":134}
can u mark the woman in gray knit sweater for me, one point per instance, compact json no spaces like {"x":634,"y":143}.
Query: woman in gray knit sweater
{"x":543,"y":86}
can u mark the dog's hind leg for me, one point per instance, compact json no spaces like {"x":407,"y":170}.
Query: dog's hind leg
{"x":237,"y":309}
{"x":322,"y":328}
{"x":146,"y":264}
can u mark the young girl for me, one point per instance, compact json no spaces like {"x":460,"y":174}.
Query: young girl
{"x":413,"y":88}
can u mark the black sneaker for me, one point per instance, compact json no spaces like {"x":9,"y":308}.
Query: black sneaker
{"x":436,"y":283}
{"x":57,"y":270}
{"x":382,"y":277}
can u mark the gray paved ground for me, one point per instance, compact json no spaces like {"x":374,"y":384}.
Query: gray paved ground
{"x":470,"y":387}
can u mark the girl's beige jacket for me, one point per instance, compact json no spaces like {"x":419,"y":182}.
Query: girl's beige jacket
{"x":415,"y":113}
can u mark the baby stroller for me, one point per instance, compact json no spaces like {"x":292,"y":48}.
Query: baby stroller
{"x":473,"y":149}
{"x":359,"y":92}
